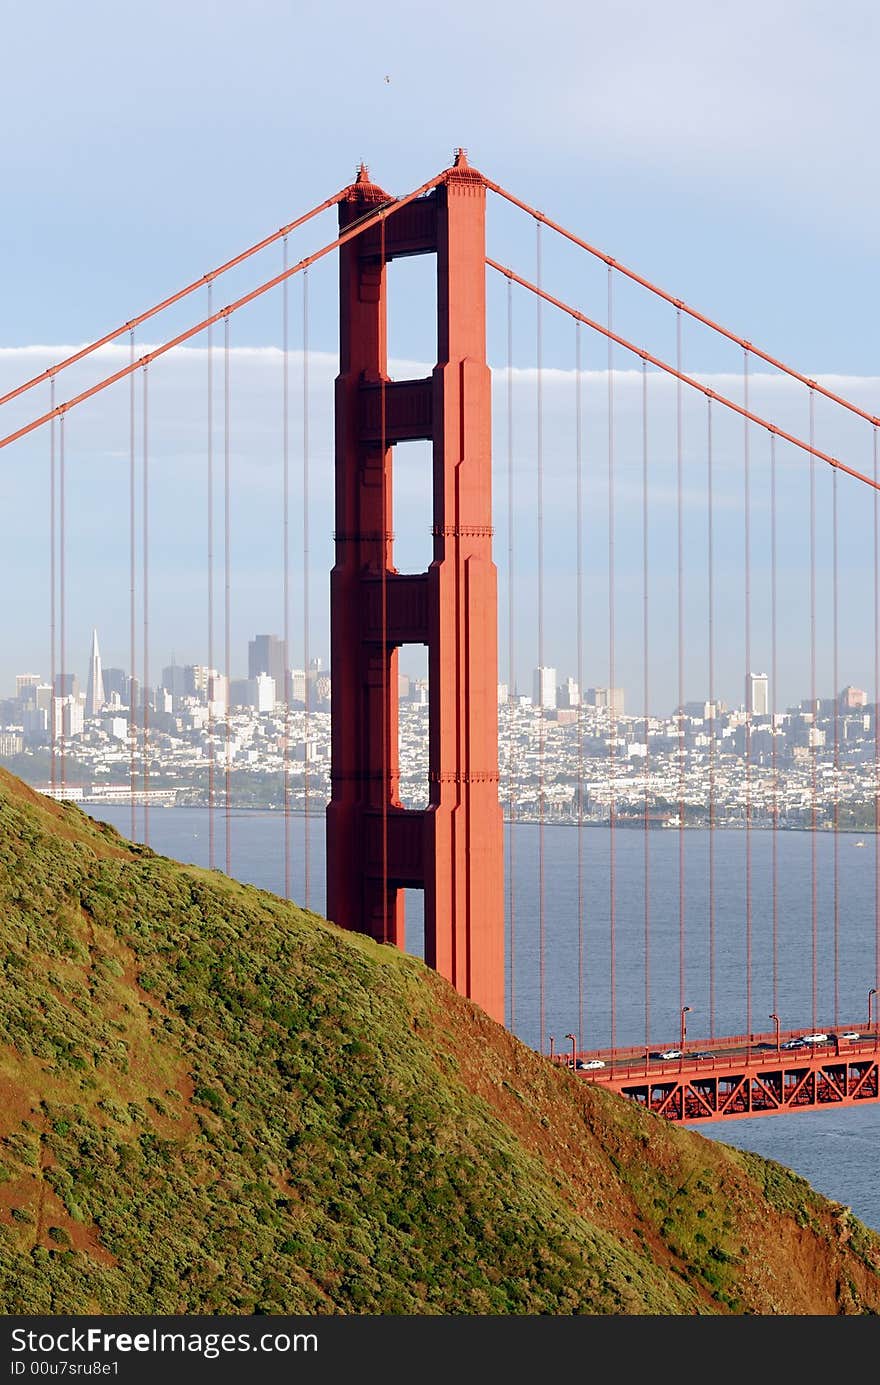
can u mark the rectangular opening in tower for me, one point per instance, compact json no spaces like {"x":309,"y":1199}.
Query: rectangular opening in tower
{"x":412,"y":725}
{"x":413,"y":506}
{"x":414,"y":905}
{"x":412,"y":316}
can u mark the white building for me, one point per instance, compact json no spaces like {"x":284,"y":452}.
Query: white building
{"x":544,"y":687}
{"x":261,"y":693}
{"x":757,"y":694}
{"x":95,"y":689}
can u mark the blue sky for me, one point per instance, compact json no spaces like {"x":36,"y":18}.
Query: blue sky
{"x":727,"y":153}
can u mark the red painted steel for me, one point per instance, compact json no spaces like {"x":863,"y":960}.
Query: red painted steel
{"x":732,"y":1085}
{"x":211,"y":693}
{"x":53,"y":666}
{"x":453,"y":850}
{"x":145,"y":594}
{"x":377,"y":215}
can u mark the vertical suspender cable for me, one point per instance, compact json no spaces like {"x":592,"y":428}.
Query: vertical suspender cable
{"x":307,"y":855}
{"x":811,"y":726}
{"x":145,"y":543}
{"x":385,"y":543}
{"x":132,"y":555}
{"x":646,"y":677}
{"x":285,"y":565}
{"x":834,"y":690}
{"x":774,"y":867}
{"x":211,"y":678}
{"x":62,"y":601}
{"x":876,"y":721}
{"x":511,"y":674}
{"x":579,"y":501}
{"x":227,"y":623}
{"x":679,"y":466}
{"x":710,"y":594}
{"x":750,"y":701}
{"x":539,"y":344}
{"x":612,"y":692}
{"x":52,"y":585}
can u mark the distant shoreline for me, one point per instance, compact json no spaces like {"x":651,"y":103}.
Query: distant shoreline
{"x":627,"y":825}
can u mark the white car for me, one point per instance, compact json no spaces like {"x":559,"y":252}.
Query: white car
{"x":672,"y":1053}
{"x":850,"y":1034}
{"x":592,"y":1064}
{"x":815,"y":1038}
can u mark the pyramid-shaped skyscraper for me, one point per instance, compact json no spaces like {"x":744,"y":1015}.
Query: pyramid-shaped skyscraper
{"x":95,"y":692}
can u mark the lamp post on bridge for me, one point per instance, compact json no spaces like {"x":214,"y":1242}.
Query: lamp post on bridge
{"x":552,"y":1041}
{"x":775,"y":1019}
{"x":684,"y":1010}
{"x":573,"y":1051}
{"x":872,"y":992}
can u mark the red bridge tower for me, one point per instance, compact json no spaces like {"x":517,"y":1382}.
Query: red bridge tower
{"x":453,"y":850}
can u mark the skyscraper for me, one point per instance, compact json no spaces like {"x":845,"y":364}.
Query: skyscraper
{"x":268,"y":654}
{"x":757,"y":694}
{"x":849,"y":698}
{"x":95,"y":691}
{"x":115,"y":680}
{"x":568,"y":694}
{"x":25,"y":683}
{"x":544,"y":687}
{"x":66,"y":685}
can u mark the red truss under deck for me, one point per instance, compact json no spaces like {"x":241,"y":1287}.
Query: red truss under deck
{"x":736,"y":1085}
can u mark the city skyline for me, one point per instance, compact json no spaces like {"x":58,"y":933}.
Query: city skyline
{"x":98,"y":537}
{"x":267,"y":649}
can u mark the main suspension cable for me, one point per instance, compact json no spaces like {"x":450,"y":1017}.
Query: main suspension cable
{"x":110,"y":337}
{"x":680,"y":304}
{"x":376,"y":218}
{"x":695,"y":384}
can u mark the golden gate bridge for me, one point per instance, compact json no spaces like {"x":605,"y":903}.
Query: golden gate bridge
{"x":453,"y":849}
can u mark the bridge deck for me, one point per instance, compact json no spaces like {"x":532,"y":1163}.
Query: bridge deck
{"x":741,"y":1077}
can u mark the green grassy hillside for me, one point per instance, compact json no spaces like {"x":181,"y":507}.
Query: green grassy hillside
{"x":211,"y":1101}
